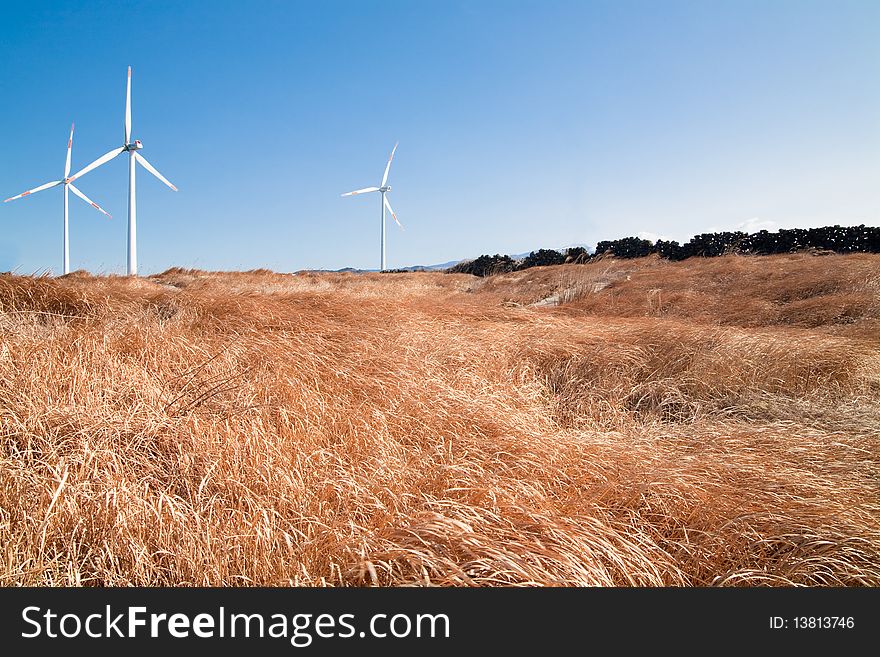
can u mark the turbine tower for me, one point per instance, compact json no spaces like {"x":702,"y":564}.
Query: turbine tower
{"x":385,"y":204}
{"x":132,"y":148}
{"x":68,"y":184}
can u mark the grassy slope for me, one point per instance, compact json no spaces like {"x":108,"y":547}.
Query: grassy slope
{"x":704,"y":422}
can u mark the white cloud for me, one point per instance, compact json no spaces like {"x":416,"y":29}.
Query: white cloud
{"x":653,"y":237}
{"x":755,"y":224}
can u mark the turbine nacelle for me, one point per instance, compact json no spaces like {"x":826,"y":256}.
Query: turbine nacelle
{"x":386,"y":188}
{"x":136,"y":145}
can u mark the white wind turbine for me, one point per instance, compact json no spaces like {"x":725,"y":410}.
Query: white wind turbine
{"x":132,"y":147}
{"x":68,"y":184}
{"x":385,"y":204}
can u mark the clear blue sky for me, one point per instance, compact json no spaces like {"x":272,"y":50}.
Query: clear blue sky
{"x":521,"y":125}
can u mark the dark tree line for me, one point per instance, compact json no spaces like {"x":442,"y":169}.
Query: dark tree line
{"x":838,"y":239}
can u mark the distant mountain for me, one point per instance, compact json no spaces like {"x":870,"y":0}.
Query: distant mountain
{"x":440,"y":266}
{"x":353,"y":270}
{"x":515,"y":256}
{"x":344,"y":270}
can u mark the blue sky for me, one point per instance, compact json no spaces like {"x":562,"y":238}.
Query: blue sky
{"x":521,"y":125}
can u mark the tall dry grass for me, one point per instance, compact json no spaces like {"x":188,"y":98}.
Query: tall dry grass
{"x":834,"y":293}
{"x":337,"y":429}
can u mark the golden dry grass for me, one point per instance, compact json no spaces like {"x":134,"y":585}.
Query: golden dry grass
{"x":199,"y":428}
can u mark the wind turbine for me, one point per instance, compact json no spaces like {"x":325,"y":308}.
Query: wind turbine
{"x":68,"y":183}
{"x":132,"y":147}
{"x":385,"y":204}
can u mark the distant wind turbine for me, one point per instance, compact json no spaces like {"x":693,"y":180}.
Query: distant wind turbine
{"x":68,"y":183}
{"x":385,"y":204}
{"x":132,"y":147}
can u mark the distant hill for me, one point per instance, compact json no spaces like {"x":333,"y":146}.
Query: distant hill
{"x":515,"y":256}
{"x":442,"y":265}
{"x":436,"y":267}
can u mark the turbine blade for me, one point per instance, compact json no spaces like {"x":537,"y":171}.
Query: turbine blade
{"x":35,"y":190}
{"x":388,"y":166}
{"x":388,"y":205}
{"x":106,"y":157}
{"x":69,"y":146}
{"x":149,"y":167}
{"x":362,"y":191}
{"x":88,"y":200}
{"x":128,"y":107}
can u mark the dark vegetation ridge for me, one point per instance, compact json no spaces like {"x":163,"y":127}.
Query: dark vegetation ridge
{"x":835,"y":239}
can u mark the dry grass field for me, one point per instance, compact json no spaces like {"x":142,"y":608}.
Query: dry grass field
{"x":707,"y":422}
